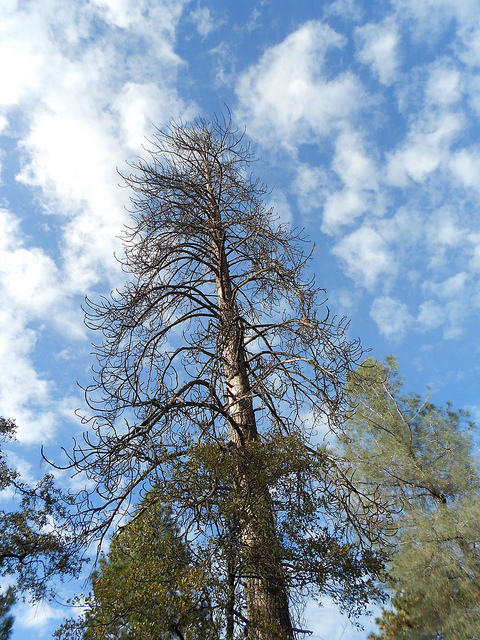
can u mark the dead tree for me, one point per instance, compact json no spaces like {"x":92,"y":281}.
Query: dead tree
{"x":213,"y":373}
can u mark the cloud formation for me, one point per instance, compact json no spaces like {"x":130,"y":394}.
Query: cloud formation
{"x":378,"y":46}
{"x":381,"y":197}
{"x":78,"y":106}
{"x":290,"y":95}
{"x":366,"y":117}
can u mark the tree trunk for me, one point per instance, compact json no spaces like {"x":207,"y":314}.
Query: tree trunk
{"x":264,"y":586}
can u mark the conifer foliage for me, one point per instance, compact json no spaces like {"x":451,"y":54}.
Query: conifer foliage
{"x":7,"y":600}
{"x":419,"y":459}
{"x":147,"y":587}
{"x":216,"y":366}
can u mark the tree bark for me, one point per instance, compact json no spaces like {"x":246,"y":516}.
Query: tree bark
{"x":264,"y":585}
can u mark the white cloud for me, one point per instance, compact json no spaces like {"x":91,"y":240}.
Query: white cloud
{"x":30,"y":278}
{"x":426,"y":149}
{"x":24,"y":394}
{"x":465,"y":166}
{"x":287,"y":98}
{"x":203,"y":20}
{"x":432,"y":17}
{"x":436,"y":122}
{"x":71,"y":158}
{"x":326,"y":621}
{"x":22,"y":466}
{"x":453,"y":295}
{"x":450,"y":287}
{"x":138,"y":16}
{"x":309,"y":183}
{"x":359,"y":176}
{"x":431,"y":314}
{"x":444,"y":231}
{"x":87,"y":119}
{"x":80,"y":101}
{"x":405,"y":228}
{"x":444,"y":240}
{"x":378,"y":47}
{"x":68,"y":155}
{"x":37,"y":616}
{"x":472,"y":90}
{"x":23,"y":76}
{"x":3,"y":126}
{"x":391,"y":316}
{"x":122,"y":13}
{"x":455,"y":312}
{"x":140,"y":106}
{"x":444,"y":86}
{"x":341,"y":208}
{"x":474,"y":241}
{"x":468,"y":47}
{"x":31,"y":284}
{"x":356,"y":170}
{"x":366,"y":256}
{"x":32,"y":289}
{"x":348,"y":9}
{"x":279,"y":202}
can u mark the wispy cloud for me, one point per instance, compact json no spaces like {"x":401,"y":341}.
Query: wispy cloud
{"x":381,"y":202}
{"x":359,"y":176}
{"x":204,"y":21}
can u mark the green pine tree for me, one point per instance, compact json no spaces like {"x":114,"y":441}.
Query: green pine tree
{"x":397,"y":623}
{"x":148,"y":587}
{"x":419,"y":459}
{"x":7,"y":600}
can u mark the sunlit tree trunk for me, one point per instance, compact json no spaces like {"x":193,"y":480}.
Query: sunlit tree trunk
{"x":264,"y":587}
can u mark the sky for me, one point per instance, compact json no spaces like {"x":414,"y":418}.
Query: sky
{"x":364,"y":117}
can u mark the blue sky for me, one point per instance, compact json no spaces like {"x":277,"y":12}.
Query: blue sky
{"x":363,"y":115}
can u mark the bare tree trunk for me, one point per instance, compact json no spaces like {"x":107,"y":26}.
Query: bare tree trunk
{"x":264,"y":586}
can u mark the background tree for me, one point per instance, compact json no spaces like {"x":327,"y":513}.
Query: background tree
{"x":397,"y":623}
{"x":7,"y":600}
{"x":419,"y":457}
{"x":213,"y":374}
{"x":35,"y":546}
{"x":148,"y":587}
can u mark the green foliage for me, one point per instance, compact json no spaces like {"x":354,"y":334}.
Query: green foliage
{"x":149,"y":586}
{"x":312,"y":501}
{"x":33,"y":545}
{"x":154,"y":578}
{"x":419,"y":459}
{"x":415,"y":451}
{"x":7,"y":600}
{"x":399,"y":624}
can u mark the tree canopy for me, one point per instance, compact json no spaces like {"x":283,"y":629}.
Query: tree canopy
{"x":34,"y":545}
{"x":214,"y":372}
{"x":7,"y":600}
{"x":419,"y":458}
{"x":148,"y":587}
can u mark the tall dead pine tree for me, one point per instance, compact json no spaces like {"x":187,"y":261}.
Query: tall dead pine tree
{"x":215,"y":358}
